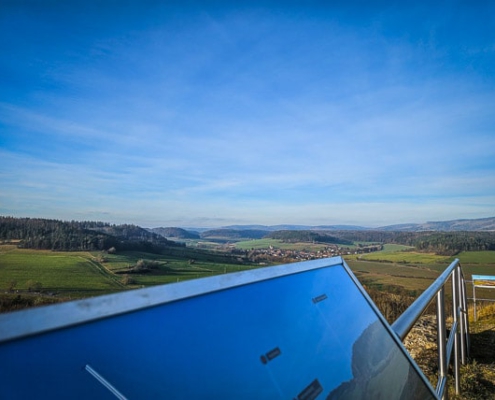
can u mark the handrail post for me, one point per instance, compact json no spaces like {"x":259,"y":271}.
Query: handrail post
{"x":442,"y":350}
{"x":465,"y":316}
{"x":455,"y":332}
{"x":462,"y":313}
{"x":474,"y":302}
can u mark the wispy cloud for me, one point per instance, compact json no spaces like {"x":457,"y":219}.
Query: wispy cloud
{"x":248,"y":115}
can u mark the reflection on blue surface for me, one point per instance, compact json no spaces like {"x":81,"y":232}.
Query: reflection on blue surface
{"x":309,"y":335}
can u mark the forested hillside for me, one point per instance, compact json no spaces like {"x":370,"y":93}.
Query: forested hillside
{"x":450,"y":243}
{"x":38,"y":233}
{"x":445,"y":243}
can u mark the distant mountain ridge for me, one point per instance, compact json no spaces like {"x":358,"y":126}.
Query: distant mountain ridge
{"x":288,"y":227}
{"x":480,"y":224}
{"x":234,"y":233}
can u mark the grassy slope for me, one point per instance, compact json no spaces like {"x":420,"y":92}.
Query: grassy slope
{"x":394,"y":266}
{"x":415,"y":271}
{"x":67,"y":273}
{"x":278,"y":244}
{"x":80,"y":274}
{"x":171,"y":269}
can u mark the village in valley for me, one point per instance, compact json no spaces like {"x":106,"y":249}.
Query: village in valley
{"x":277,"y":255}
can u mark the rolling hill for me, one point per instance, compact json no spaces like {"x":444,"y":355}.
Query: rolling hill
{"x":469,"y":225}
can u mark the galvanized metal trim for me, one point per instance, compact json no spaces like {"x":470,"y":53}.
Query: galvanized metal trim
{"x":441,"y":346}
{"x":18,"y":324}
{"x":450,"y":341}
{"x":441,"y":385}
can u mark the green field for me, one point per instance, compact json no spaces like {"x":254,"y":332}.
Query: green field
{"x":170,"y":269}
{"x":382,"y":275}
{"x":404,"y":257}
{"x":82,"y":274}
{"x":392,"y":248}
{"x":278,"y":244}
{"x":398,"y":265}
{"x":416,"y":271}
{"x":477,"y":257}
{"x":75,"y":273}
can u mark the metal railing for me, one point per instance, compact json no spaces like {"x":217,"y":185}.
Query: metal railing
{"x":458,"y":337}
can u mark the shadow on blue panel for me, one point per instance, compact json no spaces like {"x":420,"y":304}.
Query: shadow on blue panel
{"x":301,"y":331}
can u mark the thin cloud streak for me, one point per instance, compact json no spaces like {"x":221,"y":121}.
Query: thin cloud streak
{"x":238,"y":114}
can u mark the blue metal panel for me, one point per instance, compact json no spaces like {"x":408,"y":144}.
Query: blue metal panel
{"x":483,"y":277}
{"x":484,"y":281}
{"x":300,"y":331}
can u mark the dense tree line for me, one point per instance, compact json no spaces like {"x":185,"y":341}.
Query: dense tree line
{"x":450,"y":243}
{"x":445,"y":243}
{"x":49,"y":234}
{"x":405,"y":238}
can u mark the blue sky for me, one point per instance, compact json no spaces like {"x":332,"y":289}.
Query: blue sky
{"x":208,"y":114}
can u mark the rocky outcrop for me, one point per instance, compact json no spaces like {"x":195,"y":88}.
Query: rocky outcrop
{"x":421,"y":343}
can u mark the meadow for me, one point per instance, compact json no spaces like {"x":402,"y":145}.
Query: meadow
{"x":404,"y":257}
{"x":415,"y":271}
{"x":83,"y":274}
{"x":75,"y":274}
{"x":278,"y":244}
{"x":169,"y":268}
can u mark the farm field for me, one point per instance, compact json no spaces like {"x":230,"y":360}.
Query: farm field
{"x":84,"y":274}
{"x":478,"y":263}
{"x":415,"y":271}
{"x":392,"y":248}
{"x":473,"y":262}
{"x":75,"y":274}
{"x":404,"y":257}
{"x":170,"y":269}
{"x":477,"y":257}
{"x":381,"y":275}
{"x":396,"y":266}
{"x":278,"y":244}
